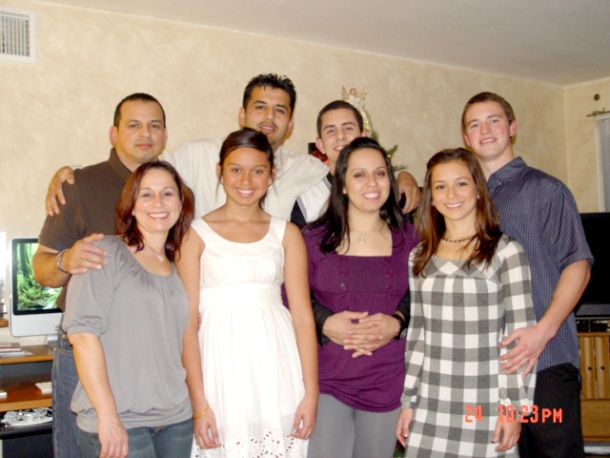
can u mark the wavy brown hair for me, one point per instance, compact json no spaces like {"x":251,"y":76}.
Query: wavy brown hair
{"x":125,"y":223}
{"x":430,"y":224}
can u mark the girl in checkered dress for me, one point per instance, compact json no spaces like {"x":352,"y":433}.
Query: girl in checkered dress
{"x":470,"y":287}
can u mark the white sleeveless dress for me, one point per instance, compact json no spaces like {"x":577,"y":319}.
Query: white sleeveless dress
{"x":251,"y":368}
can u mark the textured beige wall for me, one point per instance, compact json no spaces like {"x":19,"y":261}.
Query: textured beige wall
{"x":58,"y":111}
{"x":582,"y":157}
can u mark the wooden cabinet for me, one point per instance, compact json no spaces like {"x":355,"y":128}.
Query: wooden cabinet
{"x":595,"y":394}
{"x":18,"y":377}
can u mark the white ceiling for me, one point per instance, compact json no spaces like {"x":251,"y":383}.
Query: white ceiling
{"x":560,"y":42}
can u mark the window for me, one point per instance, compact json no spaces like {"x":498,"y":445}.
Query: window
{"x":603,"y":148}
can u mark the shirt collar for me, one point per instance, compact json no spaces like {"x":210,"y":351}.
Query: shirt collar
{"x":116,"y":165}
{"x":278,"y":160}
{"x":506,"y":173}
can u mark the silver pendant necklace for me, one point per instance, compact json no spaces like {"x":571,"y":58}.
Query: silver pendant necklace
{"x":159,"y":257}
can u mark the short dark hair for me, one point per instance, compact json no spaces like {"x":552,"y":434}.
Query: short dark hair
{"x":138,"y":96}
{"x":126,"y":225}
{"x":247,"y":138}
{"x":334,"y":219}
{"x":482,"y":97}
{"x":274,"y":81}
{"x":339,"y":105}
{"x":430,"y":224}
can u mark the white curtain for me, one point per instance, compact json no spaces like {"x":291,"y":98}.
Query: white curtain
{"x":603,"y":146}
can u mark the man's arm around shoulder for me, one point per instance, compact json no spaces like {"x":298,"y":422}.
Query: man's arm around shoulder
{"x":46,"y":270}
{"x":53,"y":268}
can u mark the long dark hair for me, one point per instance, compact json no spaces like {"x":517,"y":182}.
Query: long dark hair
{"x":125,"y":223}
{"x":430,"y":223}
{"x":335,"y":216}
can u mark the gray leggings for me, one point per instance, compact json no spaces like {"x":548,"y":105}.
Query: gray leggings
{"x":345,"y":432}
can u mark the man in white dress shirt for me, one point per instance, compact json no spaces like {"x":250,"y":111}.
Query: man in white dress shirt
{"x":268,"y":106}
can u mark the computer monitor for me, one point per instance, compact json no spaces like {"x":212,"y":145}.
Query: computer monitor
{"x":33,"y":307}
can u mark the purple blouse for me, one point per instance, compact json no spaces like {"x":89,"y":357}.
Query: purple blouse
{"x":357,"y":283}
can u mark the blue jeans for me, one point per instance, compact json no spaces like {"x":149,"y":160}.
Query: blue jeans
{"x":65,"y":379}
{"x":172,"y":441}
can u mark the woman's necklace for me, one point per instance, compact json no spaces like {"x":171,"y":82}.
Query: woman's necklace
{"x":362,"y":238}
{"x":458,"y":240}
{"x":159,"y":256}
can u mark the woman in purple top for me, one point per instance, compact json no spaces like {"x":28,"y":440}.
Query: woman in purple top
{"x":358,"y":258}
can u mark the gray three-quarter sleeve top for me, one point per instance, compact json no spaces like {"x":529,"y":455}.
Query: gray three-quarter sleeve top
{"x":140,"y":319}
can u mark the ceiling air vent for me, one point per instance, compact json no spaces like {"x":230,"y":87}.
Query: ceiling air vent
{"x":17,"y":37}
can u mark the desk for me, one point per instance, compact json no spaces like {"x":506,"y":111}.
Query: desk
{"x":18,"y":376}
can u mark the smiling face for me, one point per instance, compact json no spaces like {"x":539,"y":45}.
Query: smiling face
{"x":157,"y":206}
{"x":454,"y":192}
{"x":367,"y":181}
{"x":245,"y":174}
{"x":141,"y":134}
{"x":338,"y":128}
{"x":268,"y":111}
{"x":488,"y":134}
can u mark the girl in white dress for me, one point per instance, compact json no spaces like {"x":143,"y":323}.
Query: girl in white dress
{"x":258,"y":395}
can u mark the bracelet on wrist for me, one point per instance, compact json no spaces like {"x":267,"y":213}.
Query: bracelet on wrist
{"x":403,"y":326}
{"x":58,"y":260}
{"x":195,"y":417}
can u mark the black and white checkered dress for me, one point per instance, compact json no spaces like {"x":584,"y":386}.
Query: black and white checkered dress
{"x":453,"y":379}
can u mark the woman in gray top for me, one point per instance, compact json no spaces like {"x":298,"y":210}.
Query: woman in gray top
{"x":126,"y":323}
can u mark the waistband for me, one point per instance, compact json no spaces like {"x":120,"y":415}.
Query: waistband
{"x":252,"y":295}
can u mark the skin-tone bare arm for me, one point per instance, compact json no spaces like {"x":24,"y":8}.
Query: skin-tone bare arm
{"x":55,"y":194}
{"x":92,"y":373}
{"x":407,"y":185}
{"x":205,"y":430}
{"x":81,"y":257}
{"x":533,"y":339}
{"x":299,"y":303}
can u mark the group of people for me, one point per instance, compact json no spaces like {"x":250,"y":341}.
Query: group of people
{"x":195,"y":310}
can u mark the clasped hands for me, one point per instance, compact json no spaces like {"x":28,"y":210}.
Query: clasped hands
{"x":361,"y":332}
